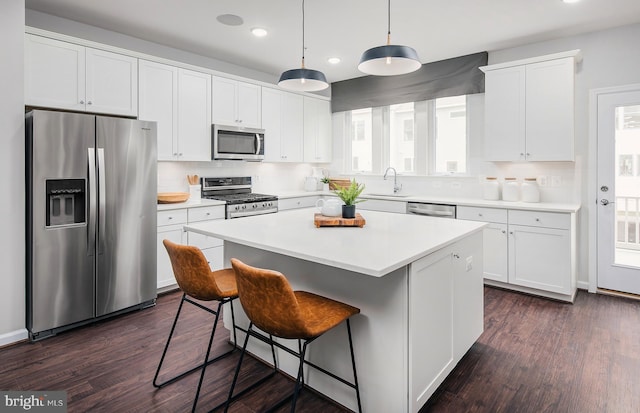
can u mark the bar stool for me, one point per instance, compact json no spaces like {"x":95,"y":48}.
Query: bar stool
{"x":197,"y":281}
{"x":272,"y":306}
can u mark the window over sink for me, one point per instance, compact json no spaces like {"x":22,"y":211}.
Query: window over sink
{"x":415,"y":138}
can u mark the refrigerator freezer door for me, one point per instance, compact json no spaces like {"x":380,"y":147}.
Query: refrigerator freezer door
{"x":127,"y":170}
{"x":60,"y":281}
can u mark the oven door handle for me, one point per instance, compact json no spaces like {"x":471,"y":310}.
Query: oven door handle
{"x":258,"y":144}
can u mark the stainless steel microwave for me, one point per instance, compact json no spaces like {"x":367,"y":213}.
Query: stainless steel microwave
{"x":232,"y":142}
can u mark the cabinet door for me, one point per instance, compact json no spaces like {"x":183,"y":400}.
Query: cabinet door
{"x":215,"y":258}
{"x":291,"y":145}
{"x":431,"y":347}
{"x":158,"y":90}
{"x":540,"y":258}
{"x":54,"y":73}
{"x":272,"y":114}
{"x":549,"y":110}
{"x":173,"y":233}
{"x":496,"y":263}
{"x":112,"y":83}
{"x":505,"y":114}
{"x":249,"y":103}
{"x":468,"y":309}
{"x":296,"y":203}
{"x":224,"y":101}
{"x":194,"y":116}
{"x":317,"y":130}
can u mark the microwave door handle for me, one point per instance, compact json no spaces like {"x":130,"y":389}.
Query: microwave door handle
{"x":91,"y":226}
{"x":258,"y":145}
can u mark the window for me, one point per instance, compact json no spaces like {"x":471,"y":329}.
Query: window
{"x":361,"y":148}
{"x":415,"y":138}
{"x":625,"y":165}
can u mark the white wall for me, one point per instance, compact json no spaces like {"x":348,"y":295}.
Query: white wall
{"x":12,"y":201}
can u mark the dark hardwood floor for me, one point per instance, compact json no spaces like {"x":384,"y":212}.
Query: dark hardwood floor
{"x":535,"y":355}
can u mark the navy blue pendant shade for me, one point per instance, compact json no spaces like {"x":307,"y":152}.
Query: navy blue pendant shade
{"x":303,"y":80}
{"x":389,"y":60}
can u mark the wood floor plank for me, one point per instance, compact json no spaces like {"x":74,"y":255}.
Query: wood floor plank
{"x":535,"y":355}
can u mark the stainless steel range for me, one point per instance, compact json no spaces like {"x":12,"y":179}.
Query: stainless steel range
{"x":236,"y":192}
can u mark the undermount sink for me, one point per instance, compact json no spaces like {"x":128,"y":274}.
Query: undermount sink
{"x":388,"y":195}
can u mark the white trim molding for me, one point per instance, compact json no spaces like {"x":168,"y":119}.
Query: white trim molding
{"x":13,"y":337}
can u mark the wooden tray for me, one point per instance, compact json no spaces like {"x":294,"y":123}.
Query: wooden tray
{"x":172,"y":197}
{"x":321,"y":221}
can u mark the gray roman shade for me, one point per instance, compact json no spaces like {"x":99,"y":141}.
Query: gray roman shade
{"x":451,"y":77}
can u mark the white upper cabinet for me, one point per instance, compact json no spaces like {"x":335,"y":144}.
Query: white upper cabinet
{"x":317,"y":130}
{"x":179,"y":100}
{"x":282,"y":120}
{"x":194,"y":115}
{"x":158,"y":91}
{"x":236,"y":103}
{"x":529,"y":109}
{"x":64,"y":75}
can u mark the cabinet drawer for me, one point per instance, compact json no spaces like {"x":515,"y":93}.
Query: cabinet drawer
{"x":203,"y":241}
{"x":294,"y":203}
{"x":174,"y":216}
{"x":383,"y":205}
{"x":540,"y":219}
{"x":206,"y":213}
{"x":482,"y":214}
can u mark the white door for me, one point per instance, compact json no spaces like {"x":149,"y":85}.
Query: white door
{"x":618,"y":189}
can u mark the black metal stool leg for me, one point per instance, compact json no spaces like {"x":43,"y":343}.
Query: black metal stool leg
{"x":300,"y":378}
{"x":235,"y":376}
{"x":206,"y":357}
{"x":353,"y":363}
{"x":166,"y":347}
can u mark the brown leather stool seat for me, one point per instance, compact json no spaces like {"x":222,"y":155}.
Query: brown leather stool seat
{"x":272,"y":306}
{"x":197,"y":281}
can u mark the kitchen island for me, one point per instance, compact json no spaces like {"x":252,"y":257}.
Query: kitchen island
{"x":417,"y":281}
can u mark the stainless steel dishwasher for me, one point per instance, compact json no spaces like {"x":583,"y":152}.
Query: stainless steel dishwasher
{"x":431,"y":210}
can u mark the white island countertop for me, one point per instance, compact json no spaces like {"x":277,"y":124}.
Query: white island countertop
{"x":387,"y":241}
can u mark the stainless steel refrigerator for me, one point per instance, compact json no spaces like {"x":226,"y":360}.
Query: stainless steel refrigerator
{"x":91,"y":188}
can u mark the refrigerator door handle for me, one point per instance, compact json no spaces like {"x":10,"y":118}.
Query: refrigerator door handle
{"x":102,"y":206}
{"x":93,"y":192}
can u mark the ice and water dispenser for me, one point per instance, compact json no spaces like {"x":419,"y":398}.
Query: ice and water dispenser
{"x":65,"y":202}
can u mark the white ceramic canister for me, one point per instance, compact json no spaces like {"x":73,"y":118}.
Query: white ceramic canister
{"x":510,"y":190}
{"x":491,"y":188}
{"x":530,"y":190}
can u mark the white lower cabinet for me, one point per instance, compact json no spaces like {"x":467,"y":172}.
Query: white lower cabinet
{"x":399,"y":207}
{"x":528,"y":251}
{"x":438,"y":340}
{"x":170,"y":226}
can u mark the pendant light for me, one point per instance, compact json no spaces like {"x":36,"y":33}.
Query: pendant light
{"x":390,"y":59}
{"x":303,"y":79}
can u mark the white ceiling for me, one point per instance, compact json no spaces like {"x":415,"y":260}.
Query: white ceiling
{"x":437,"y":29}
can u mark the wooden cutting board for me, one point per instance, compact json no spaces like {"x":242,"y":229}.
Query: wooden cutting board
{"x":321,"y":221}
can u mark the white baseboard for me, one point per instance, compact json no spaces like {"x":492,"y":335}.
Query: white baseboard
{"x":583,"y":285}
{"x":13,"y":337}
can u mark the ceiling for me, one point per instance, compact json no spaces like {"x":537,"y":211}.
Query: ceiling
{"x":437,"y":29}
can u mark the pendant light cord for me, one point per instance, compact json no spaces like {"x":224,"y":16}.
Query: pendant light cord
{"x":303,"y":34}
{"x":388,"y":22}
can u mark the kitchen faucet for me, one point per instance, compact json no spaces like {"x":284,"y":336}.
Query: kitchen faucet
{"x":396,"y":187}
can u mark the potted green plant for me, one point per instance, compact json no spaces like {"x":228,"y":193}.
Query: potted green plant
{"x":325,"y":183}
{"x":349,"y":195}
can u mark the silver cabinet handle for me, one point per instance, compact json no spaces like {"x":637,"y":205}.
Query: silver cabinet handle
{"x":89,"y":102}
{"x":82,"y":102}
{"x":537,"y":219}
{"x":170,"y":218}
{"x":504,"y":232}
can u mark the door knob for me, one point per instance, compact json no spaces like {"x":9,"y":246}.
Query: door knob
{"x":604,"y":202}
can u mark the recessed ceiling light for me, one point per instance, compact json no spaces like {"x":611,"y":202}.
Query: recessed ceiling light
{"x":230,"y":19}
{"x":333,"y":60}
{"x":259,"y":32}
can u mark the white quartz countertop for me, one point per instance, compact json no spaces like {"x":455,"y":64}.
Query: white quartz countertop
{"x":197,"y":203}
{"x":386,"y":242}
{"x":475,"y":202}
